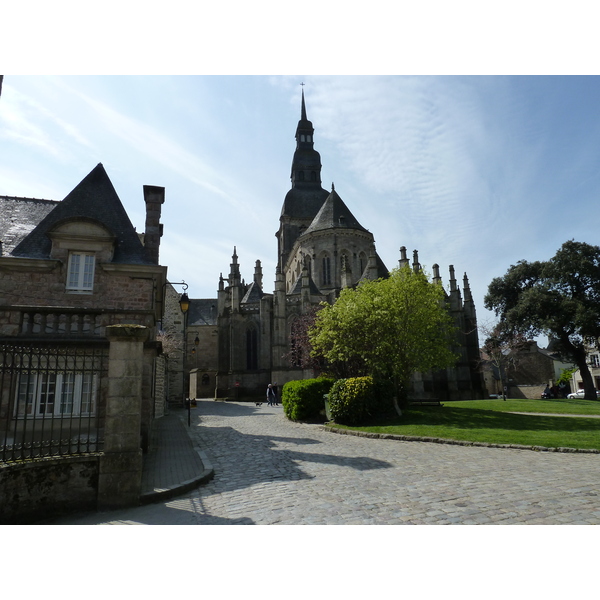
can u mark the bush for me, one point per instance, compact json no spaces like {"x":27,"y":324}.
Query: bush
{"x":353,"y":401}
{"x":302,"y":399}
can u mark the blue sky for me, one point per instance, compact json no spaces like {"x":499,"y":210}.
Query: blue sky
{"x":474,"y":171}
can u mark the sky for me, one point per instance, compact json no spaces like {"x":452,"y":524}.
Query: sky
{"x":449,"y":127}
{"x":478,"y":172}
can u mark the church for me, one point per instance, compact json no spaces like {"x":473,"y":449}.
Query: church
{"x":322,"y":248}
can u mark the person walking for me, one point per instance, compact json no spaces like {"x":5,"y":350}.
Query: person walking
{"x":271,"y":397}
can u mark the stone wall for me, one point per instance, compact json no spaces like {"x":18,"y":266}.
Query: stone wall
{"x":39,"y":489}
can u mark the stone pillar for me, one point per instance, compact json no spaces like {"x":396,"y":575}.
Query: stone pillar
{"x":120,"y":477}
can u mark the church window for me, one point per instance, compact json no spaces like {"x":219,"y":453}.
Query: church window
{"x":363,"y":262}
{"x":251,"y":349}
{"x":313,"y":175}
{"x":301,"y":175}
{"x":80,"y":272}
{"x":302,"y":138}
{"x":326,"y":273}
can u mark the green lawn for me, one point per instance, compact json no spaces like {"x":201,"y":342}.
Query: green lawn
{"x":490,"y":421}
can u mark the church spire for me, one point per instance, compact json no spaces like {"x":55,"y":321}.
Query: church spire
{"x":306,"y":164}
{"x":303,"y":116}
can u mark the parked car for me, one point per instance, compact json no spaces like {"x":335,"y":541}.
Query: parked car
{"x":581,"y":394}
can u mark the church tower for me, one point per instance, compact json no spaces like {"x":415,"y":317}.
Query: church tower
{"x":322,"y":249}
{"x":305,"y":198}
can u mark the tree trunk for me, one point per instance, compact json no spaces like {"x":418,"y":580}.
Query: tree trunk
{"x":396,"y":405}
{"x":588,"y":381}
{"x":579,"y":354}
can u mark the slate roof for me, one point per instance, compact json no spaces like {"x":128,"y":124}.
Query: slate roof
{"x":382,"y":270}
{"x":94,"y":198}
{"x":303,"y":203}
{"x":253,"y":295}
{"x":19,"y":217}
{"x":202,"y":312}
{"x":314,"y":290}
{"x":334,"y":214}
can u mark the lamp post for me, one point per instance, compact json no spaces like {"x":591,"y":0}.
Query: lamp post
{"x":184,"y":305}
{"x":195,"y":378}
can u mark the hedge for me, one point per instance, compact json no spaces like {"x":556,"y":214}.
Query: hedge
{"x":302,"y":399}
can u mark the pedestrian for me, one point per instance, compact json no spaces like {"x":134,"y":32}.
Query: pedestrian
{"x":276,"y":392}
{"x":271,"y":397}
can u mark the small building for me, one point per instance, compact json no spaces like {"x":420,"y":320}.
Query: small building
{"x":528,"y":371}
{"x":69,"y":269}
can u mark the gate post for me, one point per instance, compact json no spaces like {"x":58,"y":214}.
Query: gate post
{"x":120,"y":477}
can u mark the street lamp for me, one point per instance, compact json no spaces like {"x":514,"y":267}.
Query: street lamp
{"x":184,"y":305}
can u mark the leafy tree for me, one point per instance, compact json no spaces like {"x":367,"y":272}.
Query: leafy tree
{"x":389,"y":328}
{"x":559,"y":297}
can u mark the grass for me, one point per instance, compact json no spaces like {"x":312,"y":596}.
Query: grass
{"x":491,"y":421}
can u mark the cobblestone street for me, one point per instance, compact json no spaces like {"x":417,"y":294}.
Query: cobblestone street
{"x":269,"y":470}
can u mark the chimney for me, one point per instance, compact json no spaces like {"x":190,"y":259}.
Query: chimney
{"x":154,"y":197}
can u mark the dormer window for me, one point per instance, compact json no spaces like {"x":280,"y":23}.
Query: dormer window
{"x":80,"y":277}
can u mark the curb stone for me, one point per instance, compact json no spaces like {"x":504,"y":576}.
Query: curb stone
{"x":433,"y":440}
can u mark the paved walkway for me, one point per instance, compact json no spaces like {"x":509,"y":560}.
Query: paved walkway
{"x":268,"y":470}
{"x":172,"y":465}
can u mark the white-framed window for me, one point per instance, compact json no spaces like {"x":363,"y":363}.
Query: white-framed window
{"x":595,"y":360}
{"x":80,"y":273}
{"x":56,"y":395}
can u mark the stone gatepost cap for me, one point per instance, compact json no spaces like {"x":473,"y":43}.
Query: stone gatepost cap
{"x":127,"y":332}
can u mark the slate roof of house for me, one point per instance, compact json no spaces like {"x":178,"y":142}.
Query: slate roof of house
{"x":334,"y":214}
{"x":94,"y":198}
{"x":19,"y":217}
{"x":202,"y":312}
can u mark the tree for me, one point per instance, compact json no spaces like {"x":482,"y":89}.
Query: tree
{"x":559,"y":297}
{"x":301,"y":354}
{"x":501,"y":351}
{"x":389,"y":328}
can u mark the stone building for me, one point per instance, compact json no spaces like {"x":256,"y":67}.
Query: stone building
{"x":68,"y":270}
{"x":322,"y":248}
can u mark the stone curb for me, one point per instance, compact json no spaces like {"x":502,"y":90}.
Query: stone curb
{"x":177,"y":490}
{"x":185,"y":486}
{"x":432,"y":440}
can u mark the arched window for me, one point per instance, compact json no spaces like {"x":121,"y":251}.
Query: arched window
{"x":251,"y":349}
{"x":313,"y":175}
{"x":362,"y":261}
{"x":301,"y":175}
{"x":326,"y":270}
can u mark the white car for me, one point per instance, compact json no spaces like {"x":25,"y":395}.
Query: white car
{"x":581,"y":394}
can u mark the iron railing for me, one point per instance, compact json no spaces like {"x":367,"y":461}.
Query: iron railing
{"x":52,"y":400}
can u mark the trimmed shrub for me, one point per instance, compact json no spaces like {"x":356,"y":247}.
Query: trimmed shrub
{"x":355,"y":400}
{"x":302,"y":399}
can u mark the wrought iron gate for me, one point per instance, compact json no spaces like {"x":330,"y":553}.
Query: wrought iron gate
{"x":52,"y":400}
